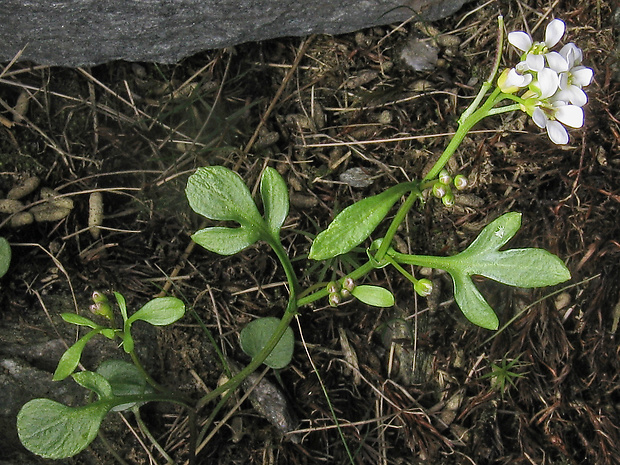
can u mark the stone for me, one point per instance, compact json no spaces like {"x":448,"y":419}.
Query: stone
{"x":78,"y":33}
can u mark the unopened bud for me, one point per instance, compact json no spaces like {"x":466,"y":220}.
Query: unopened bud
{"x":348,"y":284}
{"x":102,"y":309}
{"x":439,"y":190}
{"x":444,"y":177}
{"x":334,"y":299}
{"x":99,"y":297}
{"x":448,"y":199}
{"x":333,"y":287}
{"x":423,"y":287}
{"x":460,"y":182}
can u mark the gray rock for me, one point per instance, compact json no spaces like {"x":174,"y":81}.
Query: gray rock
{"x":79,"y":33}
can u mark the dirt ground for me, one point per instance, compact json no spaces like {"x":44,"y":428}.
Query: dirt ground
{"x":407,"y":384}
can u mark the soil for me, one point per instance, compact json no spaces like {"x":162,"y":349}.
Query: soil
{"x":415,"y":383}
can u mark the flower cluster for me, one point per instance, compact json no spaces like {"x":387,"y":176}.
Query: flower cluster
{"x":552,"y":81}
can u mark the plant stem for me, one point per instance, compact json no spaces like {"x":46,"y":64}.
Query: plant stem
{"x":464,"y":127}
{"x":289,"y":314}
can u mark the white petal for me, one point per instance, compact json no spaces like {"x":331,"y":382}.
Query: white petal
{"x":557,"y":133}
{"x":535,"y":62}
{"x":556,"y":62}
{"x":582,"y":76}
{"x":517,"y":80}
{"x":564,"y":81}
{"x":548,"y":82}
{"x":554,"y":32}
{"x":520,"y":40}
{"x":572,"y":94}
{"x":572,"y":53}
{"x":570,"y":115}
{"x":539,"y":118}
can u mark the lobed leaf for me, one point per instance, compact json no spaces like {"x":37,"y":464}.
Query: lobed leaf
{"x":256,"y":334}
{"x":473,"y":305}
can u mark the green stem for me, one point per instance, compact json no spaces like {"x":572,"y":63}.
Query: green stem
{"x":464,"y":127}
{"x":289,"y":314}
{"x":396,"y":222}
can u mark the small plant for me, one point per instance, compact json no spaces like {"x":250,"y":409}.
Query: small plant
{"x":502,"y":376}
{"x":547,"y":85}
{"x":53,"y":430}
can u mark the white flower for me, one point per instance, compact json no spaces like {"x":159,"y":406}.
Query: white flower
{"x":536,"y":52}
{"x":574,"y":78}
{"x":554,"y":116}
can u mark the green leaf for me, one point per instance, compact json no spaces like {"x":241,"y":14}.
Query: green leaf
{"x":220,"y":194}
{"x":79,"y":320}
{"x":55,"y":431}
{"x":526,"y":268}
{"x":373,"y":295}
{"x":5,"y":256}
{"x":160,"y":312}
{"x":122,"y":305}
{"x":475,"y":308}
{"x":355,"y":223}
{"x":256,"y":335}
{"x":94,"y":382}
{"x":71,"y":357}
{"x":125,"y":379}
{"x":225,"y":241}
{"x":495,"y":234}
{"x":274,"y":194}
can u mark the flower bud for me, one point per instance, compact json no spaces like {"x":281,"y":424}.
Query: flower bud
{"x":444,"y":177}
{"x":439,"y":190}
{"x":333,"y":287}
{"x":423,"y":287}
{"x":334,"y":299}
{"x":460,"y":182}
{"x":348,"y":284}
{"x":102,"y":309}
{"x":99,"y":297}
{"x":448,"y":199}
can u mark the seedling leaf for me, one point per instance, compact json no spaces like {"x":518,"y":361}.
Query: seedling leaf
{"x":71,"y":357}
{"x":161,"y":311}
{"x":122,"y":305}
{"x":79,"y":320}
{"x":274,"y":194}
{"x":355,"y":223}
{"x":373,"y":295}
{"x":55,"y":431}
{"x":125,"y":380}
{"x":94,"y":382}
{"x":256,"y":335}
{"x":220,"y":194}
{"x":225,"y":241}
{"x":5,"y":256}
